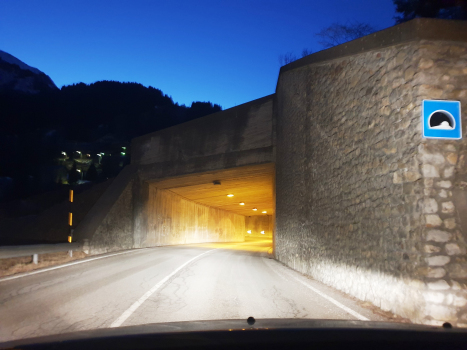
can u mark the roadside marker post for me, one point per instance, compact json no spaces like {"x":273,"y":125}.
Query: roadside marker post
{"x":70,"y":221}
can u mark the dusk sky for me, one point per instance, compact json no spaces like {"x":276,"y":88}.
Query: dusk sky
{"x":225,"y":52}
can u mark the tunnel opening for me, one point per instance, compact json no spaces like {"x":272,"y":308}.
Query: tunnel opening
{"x":441,"y":120}
{"x":228,"y":205}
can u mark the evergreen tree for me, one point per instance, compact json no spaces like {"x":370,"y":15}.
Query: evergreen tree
{"x":447,"y":9}
{"x":73,"y":175}
{"x":91,"y":174}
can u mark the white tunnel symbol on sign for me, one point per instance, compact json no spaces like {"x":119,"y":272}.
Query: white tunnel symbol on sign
{"x":441,"y":120}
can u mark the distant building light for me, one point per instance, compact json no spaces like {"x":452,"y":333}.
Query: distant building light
{"x":264,"y":211}
{"x":230,"y":195}
{"x":78,"y":170}
{"x":241,"y":203}
{"x":88,"y":155}
{"x":255,"y":209}
{"x":249,"y":231}
{"x":262,"y":232}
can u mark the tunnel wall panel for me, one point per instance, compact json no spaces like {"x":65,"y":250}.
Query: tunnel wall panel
{"x":363,"y":203}
{"x":258,"y":223}
{"x":172,"y":219}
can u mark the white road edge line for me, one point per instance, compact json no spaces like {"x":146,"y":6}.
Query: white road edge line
{"x":335,"y":302}
{"x":7,"y":278}
{"x":137,"y":304}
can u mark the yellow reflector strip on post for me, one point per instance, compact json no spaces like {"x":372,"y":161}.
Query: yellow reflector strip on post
{"x":70,"y":219}
{"x":69,"y":239}
{"x":71,"y":196}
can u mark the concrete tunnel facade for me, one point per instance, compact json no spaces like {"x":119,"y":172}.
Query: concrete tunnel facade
{"x":354,"y":195}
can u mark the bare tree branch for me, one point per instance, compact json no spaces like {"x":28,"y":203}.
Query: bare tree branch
{"x":337,"y":34}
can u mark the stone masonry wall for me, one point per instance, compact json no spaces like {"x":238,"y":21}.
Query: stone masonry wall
{"x":172,"y":219}
{"x":362,"y":202}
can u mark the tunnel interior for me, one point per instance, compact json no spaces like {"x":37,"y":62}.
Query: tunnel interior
{"x":228,"y":205}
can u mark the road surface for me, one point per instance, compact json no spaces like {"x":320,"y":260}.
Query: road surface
{"x":166,"y":284}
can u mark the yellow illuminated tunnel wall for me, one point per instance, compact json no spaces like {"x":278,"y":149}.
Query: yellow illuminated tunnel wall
{"x":173,"y":219}
{"x":255,"y":225}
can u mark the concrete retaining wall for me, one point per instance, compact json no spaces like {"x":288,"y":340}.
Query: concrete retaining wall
{"x":239,"y":129}
{"x":364,"y":204}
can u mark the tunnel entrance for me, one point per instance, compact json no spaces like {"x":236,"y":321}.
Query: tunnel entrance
{"x":441,"y":120}
{"x":233,"y":204}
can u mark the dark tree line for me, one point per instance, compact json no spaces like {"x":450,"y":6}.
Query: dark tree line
{"x":86,"y":113}
{"x":37,"y":127}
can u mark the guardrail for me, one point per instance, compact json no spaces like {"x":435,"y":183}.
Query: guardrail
{"x":36,"y":249}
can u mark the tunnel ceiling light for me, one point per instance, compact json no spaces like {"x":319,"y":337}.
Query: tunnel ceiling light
{"x":249,"y":231}
{"x":230,"y":195}
{"x":264,"y":211}
{"x":242,"y":203}
{"x":255,"y":209}
{"x":262,"y":232}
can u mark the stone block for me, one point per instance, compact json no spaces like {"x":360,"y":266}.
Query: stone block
{"x":457,"y":270}
{"x":438,"y":285}
{"x":438,"y":260}
{"x":450,"y":223}
{"x":434,"y":158}
{"x":432,"y":272}
{"x":430,"y":206}
{"x":433,"y":220}
{"x":429,"y":170}
{"x":447,"y":207}
{"x":448,"y":172}
{"x":433,"y":297}
{"x":425,"y":63}
{"x":444,"y":184}
{"x":441,"y":312}
{"x":453,"y":249}
{"x":452,"y":158}
{"x":412,"y":176}
{"x":429,"y":248}
{"x":438,"y":236}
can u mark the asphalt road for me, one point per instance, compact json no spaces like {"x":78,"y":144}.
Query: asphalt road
{"x":166,"y":284}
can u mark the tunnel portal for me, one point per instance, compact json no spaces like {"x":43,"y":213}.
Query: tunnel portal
{"x":224,"y":206}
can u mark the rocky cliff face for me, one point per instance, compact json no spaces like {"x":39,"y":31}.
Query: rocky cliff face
{"x":15,"y":75}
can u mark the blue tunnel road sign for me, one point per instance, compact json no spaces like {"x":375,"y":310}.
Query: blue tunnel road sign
{"x":441,"y":119}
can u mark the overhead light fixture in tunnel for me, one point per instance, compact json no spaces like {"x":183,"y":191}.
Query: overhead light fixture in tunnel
{"x":241,"y":203}
{"x":230,"y":195}
{"x":255,"y":209}
{"x":262,"y":232}
{"x":249,"y":231}
{"x":264,"y":211}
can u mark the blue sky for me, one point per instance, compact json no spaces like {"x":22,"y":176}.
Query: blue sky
{"x":221,"y":51}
